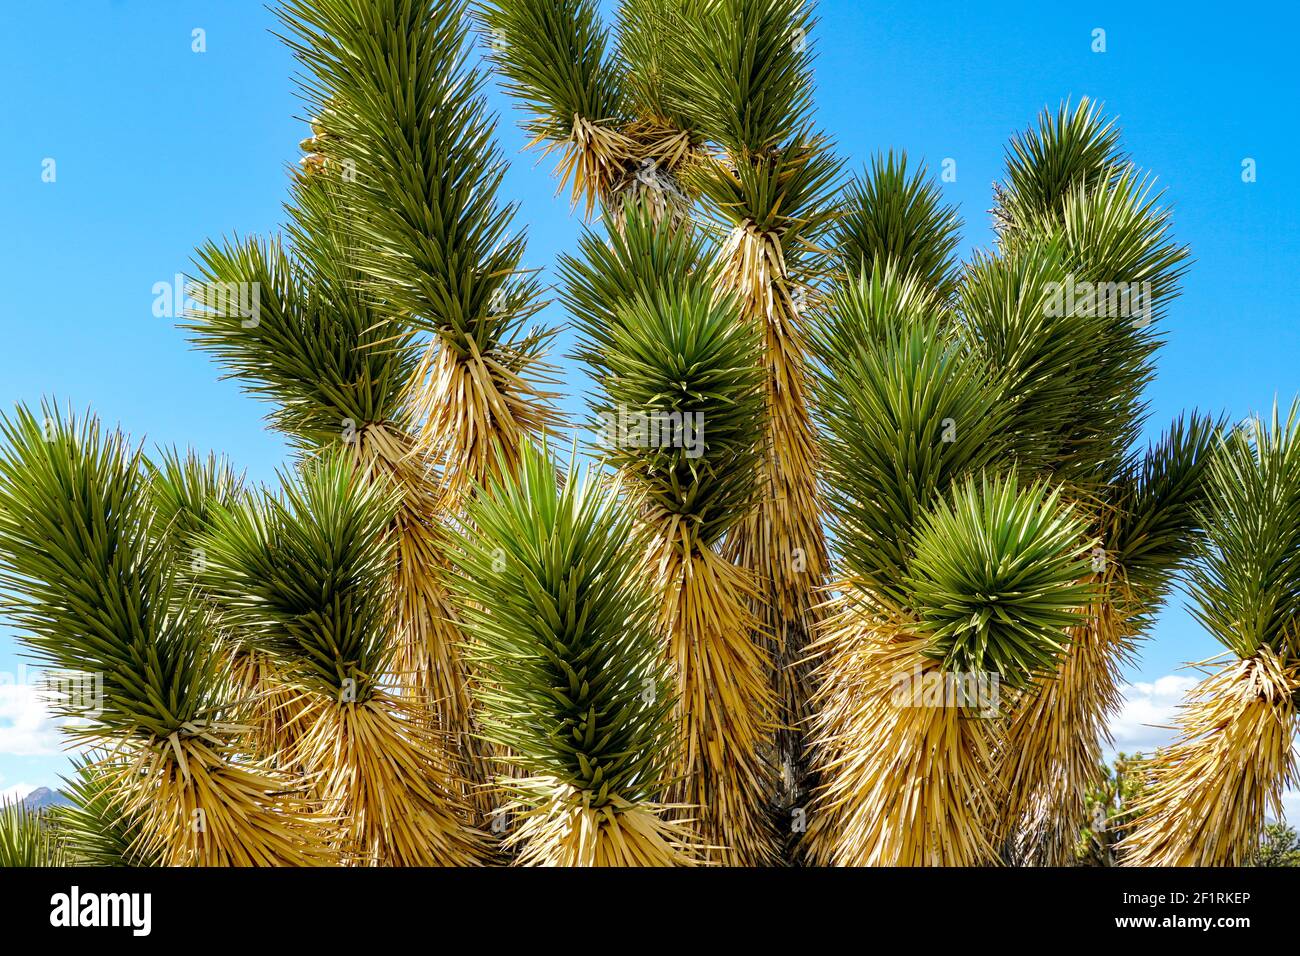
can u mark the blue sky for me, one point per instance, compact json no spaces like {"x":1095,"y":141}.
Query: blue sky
{"x":157,"y":147}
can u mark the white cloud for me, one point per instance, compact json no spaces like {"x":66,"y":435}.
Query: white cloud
{"x":16,"y":792}
{"x":26,"y":727}
{"x":1148,"y":713}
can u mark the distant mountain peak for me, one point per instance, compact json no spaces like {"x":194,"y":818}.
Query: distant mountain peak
{"x":43,"y":797}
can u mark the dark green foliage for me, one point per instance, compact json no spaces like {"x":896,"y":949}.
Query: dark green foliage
{"x":742,"y":73}
{"x":318,"y":351}
{"x":552,"y":55}
{"x":1156,"y":510}
{"x":1067,"y":316}
{"x":1278,"y":846}
{"x":1110,"y":808}
{"x":893,"y":215}
{"x":411,"y":135}
{"x":683,"y":359}
{"x":1070,"y":308}
{"x":96,"y":829}
{"x":1075,"y":148}
{"x":905,"y":411}
{"x":26,"y":838}
{"x":1048,"y":361}
{"x":668,"y":355}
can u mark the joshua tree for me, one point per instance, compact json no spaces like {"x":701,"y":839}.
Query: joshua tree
{"x":678,"y":403}
{"x":704,"y":108}
{"x":575,"y":687}
{"x":429,"y":626}
{"x":1020,"y":367}
{"x":392,"y":322}
{"x":1211,"y":791}
{"x":988,"y":587}
{"x":1068,"y":312}
{"x":94,"y":587}
{"x":604,"y":106}
{"x":304,"y":577}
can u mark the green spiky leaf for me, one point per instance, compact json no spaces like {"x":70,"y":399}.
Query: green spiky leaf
{"x":679,"y":404}
{"x":905,"y":412}
{"x":186,"y":490}
{"x":1157,"y":507}
{"x":317,"y":349}
{"x":633,"y":258}
{"x":895,"y":215}
{"x":27,"y":837}
{"x":96,"y":828}
{"x":552,"y":55}
{"x":1074,"y":148}
{"x":391,"y":83}
{"x":744,"y":71}
{"x":89,"y":581}
{"x":304,"y":575}
{"x":650,"y":38}
{"x":998,"y":578}
{"x":562,"y":621}
{"x":1246,"y":580}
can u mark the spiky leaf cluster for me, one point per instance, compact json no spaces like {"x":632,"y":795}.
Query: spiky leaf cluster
{"x":304,"y":576}
{"x":553,"y":58}
{"x":678,"y":404}
{"x":633,"y":258}
{"x":562,"y":620}
{"x":96,"y":828}
{"x":891,"y":214}
{"x":686,"y":369}
{"x":1246,"y":579}
{"x":742,"y":70}
{"x":1069,"y":308}
{"x":1068,"y":318}
{"x":186,"y":491}
{"x":745,"y":72}
{"x":1157,"y":506}
{"x":318,"y":349}
{"x":650,"y":37}
{"x":998,"y":578}
{"x":905,"y":412}
{"x":1075,"y":148}
{"x":27,"y":838}
{"x":1047,"y":358}
{"x":422,"y":166}
{"x":91,"y":584}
